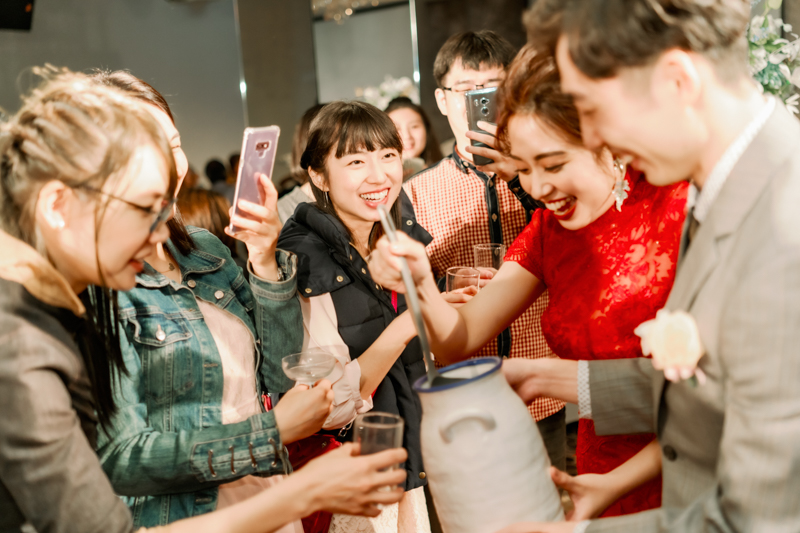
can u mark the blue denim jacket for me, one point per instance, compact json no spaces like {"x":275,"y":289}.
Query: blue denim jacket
{"x":168,"y":451}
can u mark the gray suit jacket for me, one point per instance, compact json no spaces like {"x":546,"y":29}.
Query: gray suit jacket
{"x":731,"y":447}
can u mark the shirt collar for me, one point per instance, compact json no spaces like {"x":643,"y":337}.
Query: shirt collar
{"x":22,"y":264}
{"x":467,"y":166}
{"x":719,"y":174}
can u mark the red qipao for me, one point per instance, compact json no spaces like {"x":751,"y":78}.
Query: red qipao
{"x":604,"y":280}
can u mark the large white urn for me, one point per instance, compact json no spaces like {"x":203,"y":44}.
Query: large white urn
{"x":484,"y":456}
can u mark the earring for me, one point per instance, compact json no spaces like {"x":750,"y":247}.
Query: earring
{"x":327,"y":201}
{"x":621,"y":186}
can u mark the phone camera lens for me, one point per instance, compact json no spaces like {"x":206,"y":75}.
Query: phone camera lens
{"x":485,"y":111}
{"x":484,"y":101}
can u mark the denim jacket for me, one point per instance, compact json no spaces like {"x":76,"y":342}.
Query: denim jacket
{"x":167,"y":450}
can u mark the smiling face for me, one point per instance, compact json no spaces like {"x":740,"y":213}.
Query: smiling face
{"x":642,"y":115}
{"x":569,"y":179}
{"x":358,"y":183}
{"x":68,"y":216}
{"x":452,"y":104}
{"x":412,"y":131}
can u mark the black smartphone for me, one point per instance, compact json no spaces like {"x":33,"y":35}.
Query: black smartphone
{"x":259,"y":148}
{"x":481,"y":105}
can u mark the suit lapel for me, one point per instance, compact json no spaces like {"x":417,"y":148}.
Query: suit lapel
{"x":747,"y":181}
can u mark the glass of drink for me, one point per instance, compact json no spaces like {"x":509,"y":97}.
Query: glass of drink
{"x":376,"y":431}
{"x":461,"y":277}
{"x":309,"y":366}
{"x":489,"y":258}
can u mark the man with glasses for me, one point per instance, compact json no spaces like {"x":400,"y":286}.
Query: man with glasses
{"x":462,"y":205}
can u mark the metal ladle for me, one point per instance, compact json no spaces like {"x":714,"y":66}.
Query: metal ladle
{"x":435,"y":379}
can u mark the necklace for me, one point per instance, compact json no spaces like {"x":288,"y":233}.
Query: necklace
{"x":170,"y":269}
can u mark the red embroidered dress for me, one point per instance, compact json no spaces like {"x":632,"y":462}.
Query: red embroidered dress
{"x":604,"y":280}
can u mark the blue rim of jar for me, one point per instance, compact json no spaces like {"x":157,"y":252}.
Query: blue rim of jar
{"x":469,"y":362}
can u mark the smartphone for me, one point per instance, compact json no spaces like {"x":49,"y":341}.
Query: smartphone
{"x":481,"y":105}
{"x":259,"y":148}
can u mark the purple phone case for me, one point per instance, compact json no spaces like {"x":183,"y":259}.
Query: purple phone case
{"x":259,"y":148}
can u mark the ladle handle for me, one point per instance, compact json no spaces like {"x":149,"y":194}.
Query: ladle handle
{"x":412,"y":298}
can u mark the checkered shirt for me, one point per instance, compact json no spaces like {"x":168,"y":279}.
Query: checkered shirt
{"x":461,"y":207}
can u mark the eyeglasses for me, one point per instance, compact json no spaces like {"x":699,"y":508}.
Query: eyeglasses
{"x":162,"y":215}
{"x":461,"y":88}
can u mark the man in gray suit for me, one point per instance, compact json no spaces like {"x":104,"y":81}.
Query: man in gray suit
{"x":666,"y":83}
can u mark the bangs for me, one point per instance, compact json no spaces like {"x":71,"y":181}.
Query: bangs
{"x":364,"y":129}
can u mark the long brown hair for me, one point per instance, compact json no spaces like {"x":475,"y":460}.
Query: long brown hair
{"x":73,"y":130}
{"x":141,"y":90}
{"x":533,"y":87}
{"x":343,"y":128}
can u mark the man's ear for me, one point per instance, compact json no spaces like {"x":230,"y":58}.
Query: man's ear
{"x":441,"y":101}
{"x":676,"y":75}
{"x":51,"y":206}
{"x":317,"y":179}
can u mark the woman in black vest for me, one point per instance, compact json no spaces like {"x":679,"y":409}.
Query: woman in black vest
{"x":353,"y":157}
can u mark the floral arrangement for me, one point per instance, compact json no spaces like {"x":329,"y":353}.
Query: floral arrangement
{"x":381,"y":95}
{"x":774,"y":61}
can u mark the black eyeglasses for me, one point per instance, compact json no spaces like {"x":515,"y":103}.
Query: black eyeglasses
{"x":162,"y":215}
{"x":461,"y":88}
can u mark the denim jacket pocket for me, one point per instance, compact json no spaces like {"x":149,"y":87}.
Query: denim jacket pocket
{"x":162,"y":343}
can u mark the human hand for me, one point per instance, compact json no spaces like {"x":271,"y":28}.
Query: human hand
{"x":523,"y":376}
{"x":260,"y":230}
{"x":459,"y":297}
{"x":341,"y":481}
{"x":539,"y":527}
{"x":384,"y":263}
{"x":504,"y":167}
{"x":302,"y":411}
{"x":591,"y":493}
{"x":487,"y":275}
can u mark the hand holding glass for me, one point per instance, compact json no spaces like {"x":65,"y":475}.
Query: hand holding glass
{"x":309,"y":366}
{"x":461,"y":277}
{"x":488,"y":260}
{"x":376,"y":432}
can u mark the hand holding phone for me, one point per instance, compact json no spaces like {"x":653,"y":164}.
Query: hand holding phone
{"x":481,"y":106}
{"x":259,"y":149}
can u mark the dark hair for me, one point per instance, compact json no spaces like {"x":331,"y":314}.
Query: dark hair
{"x":208,"y":210}
{"x":299,"y":141}
{"x":343,"y":128}
{"x":215,"y":170}
{"x":141,"y":90}
{"x":533,"y":87}
{"x":432,"y":153}
{"x":80,"y":133}
{"x":475,"y":49}
{"x":606,"y":36}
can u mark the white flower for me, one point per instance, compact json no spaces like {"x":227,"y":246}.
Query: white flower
{"x":673,"y":341}
{"x":792,"y":103}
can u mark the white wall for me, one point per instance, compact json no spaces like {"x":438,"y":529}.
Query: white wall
{"x":362,"y":51}
{"x":189,"y":52}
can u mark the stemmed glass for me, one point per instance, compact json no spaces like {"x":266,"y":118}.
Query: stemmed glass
{"x":309,"y":366}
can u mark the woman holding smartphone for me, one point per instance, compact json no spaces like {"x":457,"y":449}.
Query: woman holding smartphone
{"x":354,"y":164}
{"x":191,"y":433}
{"x":86,"y":181}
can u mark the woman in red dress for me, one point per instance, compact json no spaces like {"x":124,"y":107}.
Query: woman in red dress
{"x":605,"y":248}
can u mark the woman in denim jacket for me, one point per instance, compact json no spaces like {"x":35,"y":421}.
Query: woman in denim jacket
{"x":191,"y":432}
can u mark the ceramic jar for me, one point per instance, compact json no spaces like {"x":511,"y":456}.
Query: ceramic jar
{"x":484,"y":456}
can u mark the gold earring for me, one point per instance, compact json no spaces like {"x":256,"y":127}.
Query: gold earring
{"x":621,"y":186}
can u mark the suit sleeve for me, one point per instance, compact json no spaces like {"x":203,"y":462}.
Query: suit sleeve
{"x":758,"y":470}
{"x":621,"y":393}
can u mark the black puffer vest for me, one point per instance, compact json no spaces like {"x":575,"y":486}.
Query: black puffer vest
{"x":328,"y":263}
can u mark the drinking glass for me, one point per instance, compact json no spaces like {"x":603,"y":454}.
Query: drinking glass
{"x":376,"y":431}
{"x":489,"y":257}
{"x":461,"y":277}
{"x":308,"y":366}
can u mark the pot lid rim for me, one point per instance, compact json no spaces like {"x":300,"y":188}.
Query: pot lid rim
{"x":497,"y":363}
